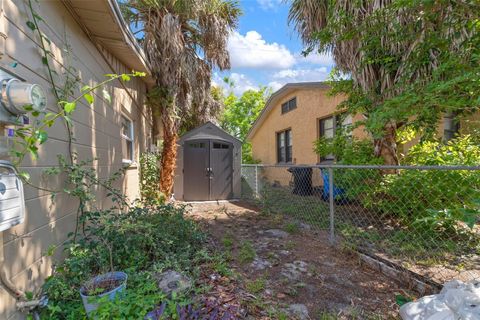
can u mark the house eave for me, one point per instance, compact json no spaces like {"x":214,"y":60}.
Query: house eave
{"x":276,"y":96}
{"x":103,"y":22}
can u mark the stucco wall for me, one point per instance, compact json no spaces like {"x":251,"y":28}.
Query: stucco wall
{"x":312,"y":105}
{"x":96,"y":131}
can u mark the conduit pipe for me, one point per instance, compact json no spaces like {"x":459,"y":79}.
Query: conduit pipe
{"x":5,"y":281}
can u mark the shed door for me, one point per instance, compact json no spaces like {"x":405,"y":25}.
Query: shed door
{"x":196,"y":157}
{"x":208,"y":170}
{"x":221,"y":164}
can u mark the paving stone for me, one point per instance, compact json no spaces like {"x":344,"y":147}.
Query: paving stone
{"x":276,"y":233}
{"x":299,"y":311}
{"x":171,"y":281}
{"x":293,"y":271}
{"x":260,"y":264}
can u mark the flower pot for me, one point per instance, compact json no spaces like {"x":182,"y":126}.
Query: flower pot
{"x":110,"y":284}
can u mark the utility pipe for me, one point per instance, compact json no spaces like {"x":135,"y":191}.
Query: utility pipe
{"x":5,"y":281}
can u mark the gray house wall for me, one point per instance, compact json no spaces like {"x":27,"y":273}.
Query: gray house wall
{"x":211,"y":132}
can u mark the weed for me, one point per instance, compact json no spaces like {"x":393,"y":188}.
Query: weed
{"x":256,"y":286}
{"x":292,"y":228}
{"x":228,"y":241}
{"x":247,"y":252}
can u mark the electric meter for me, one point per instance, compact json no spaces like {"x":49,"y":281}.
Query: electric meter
{"x":17,"y":97}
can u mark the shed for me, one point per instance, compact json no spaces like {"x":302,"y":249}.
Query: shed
{"x":208,"y":165}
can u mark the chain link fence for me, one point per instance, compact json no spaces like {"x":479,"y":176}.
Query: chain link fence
{"x":422,"y":219}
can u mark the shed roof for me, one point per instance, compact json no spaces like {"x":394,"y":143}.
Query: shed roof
{"x":102,"y":20}
{"x":209,"y":130}
{"x":279,"y":94}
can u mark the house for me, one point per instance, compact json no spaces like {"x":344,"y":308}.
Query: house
{"x":293,"y":118}
{"x":87,"y":39}
{"x":300,"y":113}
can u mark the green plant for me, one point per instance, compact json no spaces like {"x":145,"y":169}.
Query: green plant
{"x":228,"y":241}
{"x":292,"y":227}
{"x":256,"y":286}
{"x":150,"y":179}
{"x":140,"y":242}
{"x":247,"y":252}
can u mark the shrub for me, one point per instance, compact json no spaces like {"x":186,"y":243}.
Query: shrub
{"x":138,"y":242}
{"x":434,"y":200}
{"x":150,"y":179}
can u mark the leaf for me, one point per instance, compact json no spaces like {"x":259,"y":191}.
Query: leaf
{"x":24,"y":175}
{"x":69,"y":107}
{"x":31,"y":25}
{"x":42,"y":136}
{"x":51,"y":250}
{"x":88,"y":97}
{"x":401,"y":300}
{"x":45,"y":61}
{"x":125,"y":77}
{"x":86,"y":88}
{"x":107,"y":96}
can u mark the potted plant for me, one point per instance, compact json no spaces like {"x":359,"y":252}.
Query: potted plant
{"x":110,"y":284}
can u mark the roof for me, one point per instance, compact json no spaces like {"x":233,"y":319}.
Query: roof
{"x":102,"y":20}
{"x":202,"y":133}
{"x":278,"y":95}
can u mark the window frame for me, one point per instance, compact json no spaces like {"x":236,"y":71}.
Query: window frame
{"x":336,"y":118}
{"x":289,"y":105}
{"x":285,"y":153}
{"x":129,"y":140}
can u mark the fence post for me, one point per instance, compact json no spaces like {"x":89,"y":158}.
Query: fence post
{"x":331,"y":205}
{"x":256,"y":181}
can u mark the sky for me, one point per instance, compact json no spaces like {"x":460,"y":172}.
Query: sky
{"x":265,"y":51}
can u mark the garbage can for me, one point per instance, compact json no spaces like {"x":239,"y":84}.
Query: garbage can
{"x":338,"y":193}
{"x":302,"y":180}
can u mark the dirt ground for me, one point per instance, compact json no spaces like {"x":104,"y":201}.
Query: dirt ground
{"x":290,"y":271}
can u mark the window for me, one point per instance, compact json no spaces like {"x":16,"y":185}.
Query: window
{"x":217,"y":145}
{"x":284,"y":146}
{"x":289,"y":105}
{"x":328,"y":127}
{"x":127,"y":140}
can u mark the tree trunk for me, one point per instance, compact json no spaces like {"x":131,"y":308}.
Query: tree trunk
{"x":169,"y":155}
{"x":386,"y":147}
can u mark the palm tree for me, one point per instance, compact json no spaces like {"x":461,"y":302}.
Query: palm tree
{"x":395,"y":49}
{"x":183,"y":41}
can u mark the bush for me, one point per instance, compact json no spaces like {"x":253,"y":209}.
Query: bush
{"x":434,"y":200}
{"x":150,"y":179}
{"x":138,"y":242}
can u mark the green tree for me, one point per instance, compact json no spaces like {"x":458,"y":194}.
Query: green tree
{"x":240,"y":113}
{"x":183,"y":40}
{"x":408,"y":62}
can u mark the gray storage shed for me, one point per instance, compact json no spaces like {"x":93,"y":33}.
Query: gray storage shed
{"x":208,"y":165}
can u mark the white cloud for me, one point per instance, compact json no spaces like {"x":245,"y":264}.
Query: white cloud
{"x":241,"y":83}
{"x":275,"y":85}
{"x":269,"y":4}
{"x":283,"y":77}
{"x":322,"y":59}
{"x":252,"y":51}
{"x":298,"y":75}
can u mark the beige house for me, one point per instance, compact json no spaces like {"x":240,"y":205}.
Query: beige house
{"x":293,"y":118}
{"x":87,"y":39}
{"x":300,"y":113}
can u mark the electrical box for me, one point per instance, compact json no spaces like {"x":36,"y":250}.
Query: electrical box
{"x":17,"y":97}
{"x":12,"y":200}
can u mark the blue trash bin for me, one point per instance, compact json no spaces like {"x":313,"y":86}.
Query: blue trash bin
{"x":338,"y":193}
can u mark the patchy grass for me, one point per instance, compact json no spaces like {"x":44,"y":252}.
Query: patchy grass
{"x":256,"y":286}
{"x":246,"y":253}
{"x":228,"y":241}
{"x":308,"y":209}
{"x":292,"y":228}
